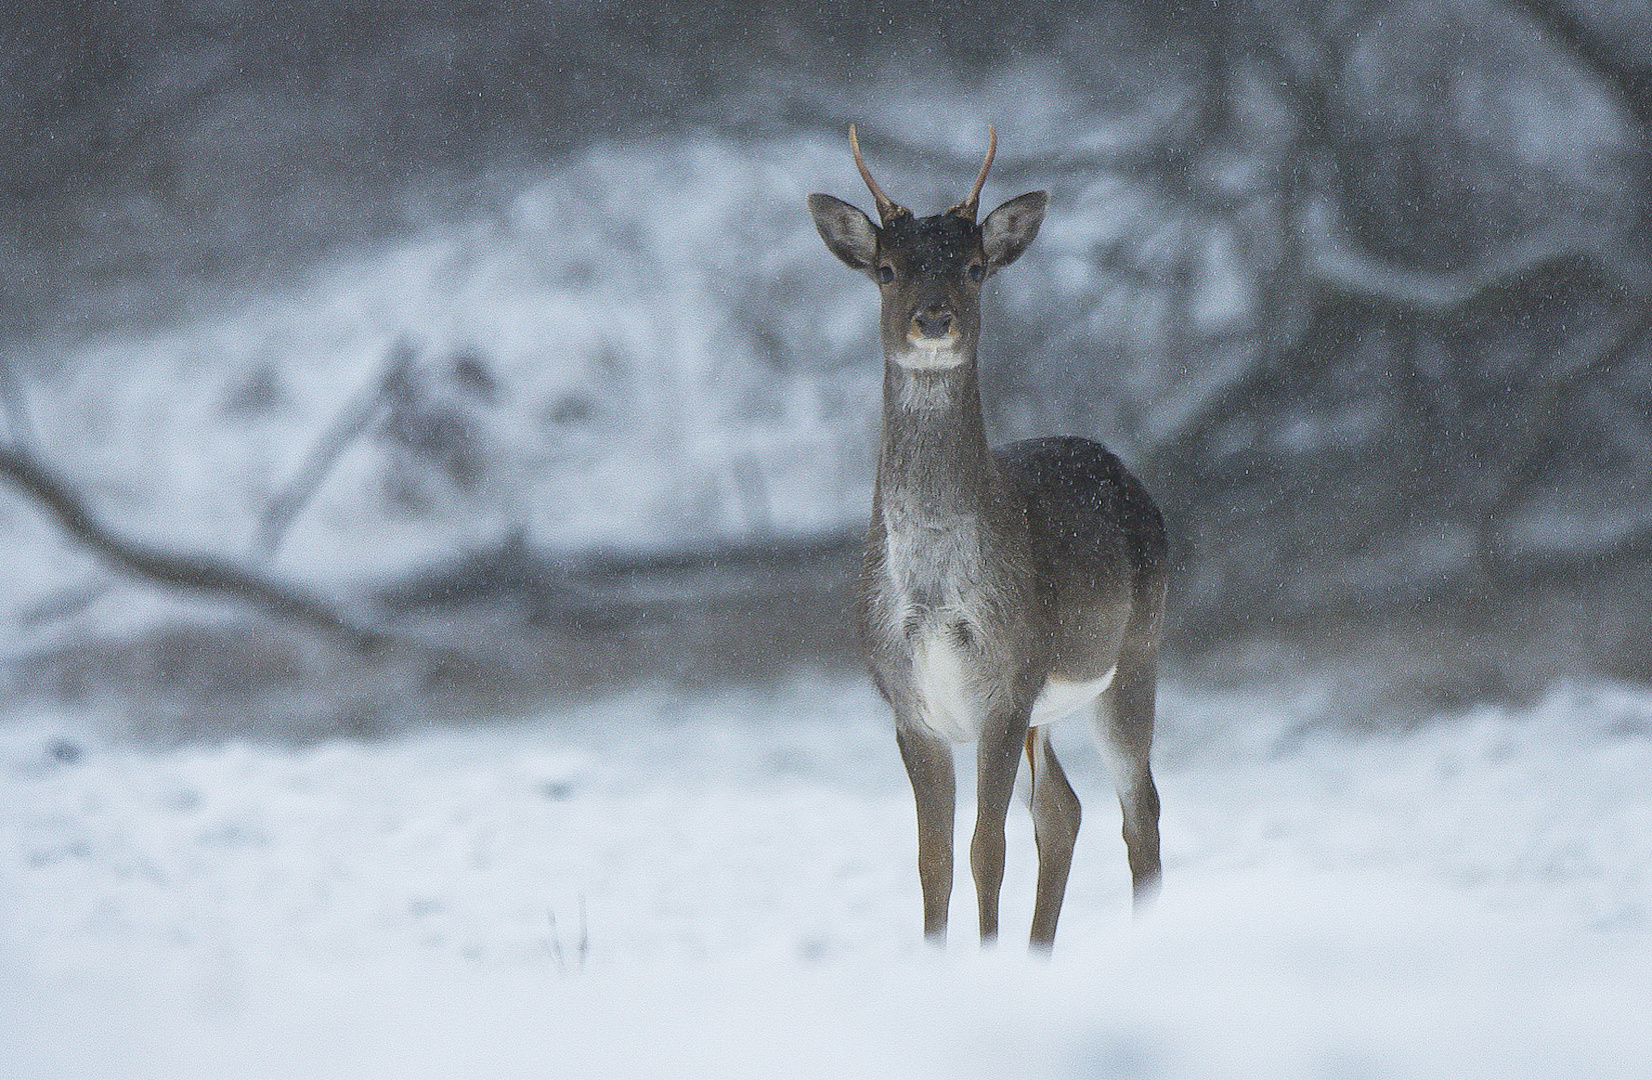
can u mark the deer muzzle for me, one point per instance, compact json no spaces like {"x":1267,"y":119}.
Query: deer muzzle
{"x":932,"y":325}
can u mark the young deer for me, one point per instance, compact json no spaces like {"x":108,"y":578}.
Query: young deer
{"x":999,"y":591}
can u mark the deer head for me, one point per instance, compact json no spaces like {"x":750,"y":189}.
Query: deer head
{"x":929,"y":270}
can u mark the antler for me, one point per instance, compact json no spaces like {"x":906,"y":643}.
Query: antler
{"x":968,"y":207}
{"x":888,"y":209}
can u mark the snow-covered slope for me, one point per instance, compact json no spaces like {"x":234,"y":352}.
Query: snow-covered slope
{"x":642,"y":346}
{"x":625,"y":385}
{"x":1472,"y":898}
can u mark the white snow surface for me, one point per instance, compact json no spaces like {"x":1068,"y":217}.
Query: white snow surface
{"x":1471,"y":898}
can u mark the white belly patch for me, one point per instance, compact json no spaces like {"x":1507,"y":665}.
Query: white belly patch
{"x":950,"y":701}
{"x":1060,"y":699}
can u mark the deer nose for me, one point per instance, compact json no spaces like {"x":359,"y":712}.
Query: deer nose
{"x":935,"y":322}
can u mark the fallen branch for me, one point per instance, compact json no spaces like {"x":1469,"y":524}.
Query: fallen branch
{"x":197,"y":573}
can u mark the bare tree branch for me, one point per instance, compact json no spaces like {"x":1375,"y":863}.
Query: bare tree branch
{"x":1333,"y":262}
{"x":1525,"y":440}
{"x":17,"y":409}
{"x":355,"y":418}
{"x":197,"y":573}
{"x":1572,"y":33}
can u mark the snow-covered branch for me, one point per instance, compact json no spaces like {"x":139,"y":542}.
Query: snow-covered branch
{"x":1331,"y":260}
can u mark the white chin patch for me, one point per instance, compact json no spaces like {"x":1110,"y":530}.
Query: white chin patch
{"x":925,"y":357}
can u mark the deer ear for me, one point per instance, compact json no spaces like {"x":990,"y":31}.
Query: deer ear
{"x":1009,"y":229}
{"x":848,"y":232}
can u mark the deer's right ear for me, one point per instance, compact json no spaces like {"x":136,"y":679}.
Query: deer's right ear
{"x":848,"y":232}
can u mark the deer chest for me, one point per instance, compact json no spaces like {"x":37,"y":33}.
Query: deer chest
{"x":945,"y":636}
{"x":938,"y":626}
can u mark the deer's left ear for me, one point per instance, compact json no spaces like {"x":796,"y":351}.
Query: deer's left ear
{"x":1009,"y":229}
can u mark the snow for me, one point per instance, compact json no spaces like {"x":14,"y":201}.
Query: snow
{"x":1472,"y":897}
{"x":646,"y":312}
{"x":625,"y":304}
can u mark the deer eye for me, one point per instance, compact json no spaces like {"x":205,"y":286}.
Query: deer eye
{"x":886,"y":274}
{"x":977,"y":271}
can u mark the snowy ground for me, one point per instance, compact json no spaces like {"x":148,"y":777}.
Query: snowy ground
{"x":1472,"y":898}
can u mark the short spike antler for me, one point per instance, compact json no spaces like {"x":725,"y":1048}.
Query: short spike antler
{"x":888,"y":209}
{"x":967,"y":208}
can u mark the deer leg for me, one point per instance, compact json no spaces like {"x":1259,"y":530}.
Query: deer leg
{"x":929,"y":767}
{"x":1056,"y":817}
{"x":998,"y":756}
{"x":1126,"y":730}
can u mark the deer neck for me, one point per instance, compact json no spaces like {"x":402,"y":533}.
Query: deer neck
{"x":935,"y":468}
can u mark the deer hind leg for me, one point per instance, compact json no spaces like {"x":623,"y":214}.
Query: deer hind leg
{"x":929,"y":767}
{"x":1124,"y":721}
{"x":1056,"y":817}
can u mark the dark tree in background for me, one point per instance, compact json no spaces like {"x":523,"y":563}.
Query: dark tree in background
{"x":1362,"y":288}
{"x":1448,"y":403}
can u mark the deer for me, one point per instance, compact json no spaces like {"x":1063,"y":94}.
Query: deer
{"x":999,"y":590}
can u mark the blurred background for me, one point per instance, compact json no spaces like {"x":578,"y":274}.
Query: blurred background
{"x":501,"y":331}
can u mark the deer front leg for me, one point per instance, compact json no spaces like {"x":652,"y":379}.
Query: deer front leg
{"x":929,"y":767}
{"x":998,"y":756}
